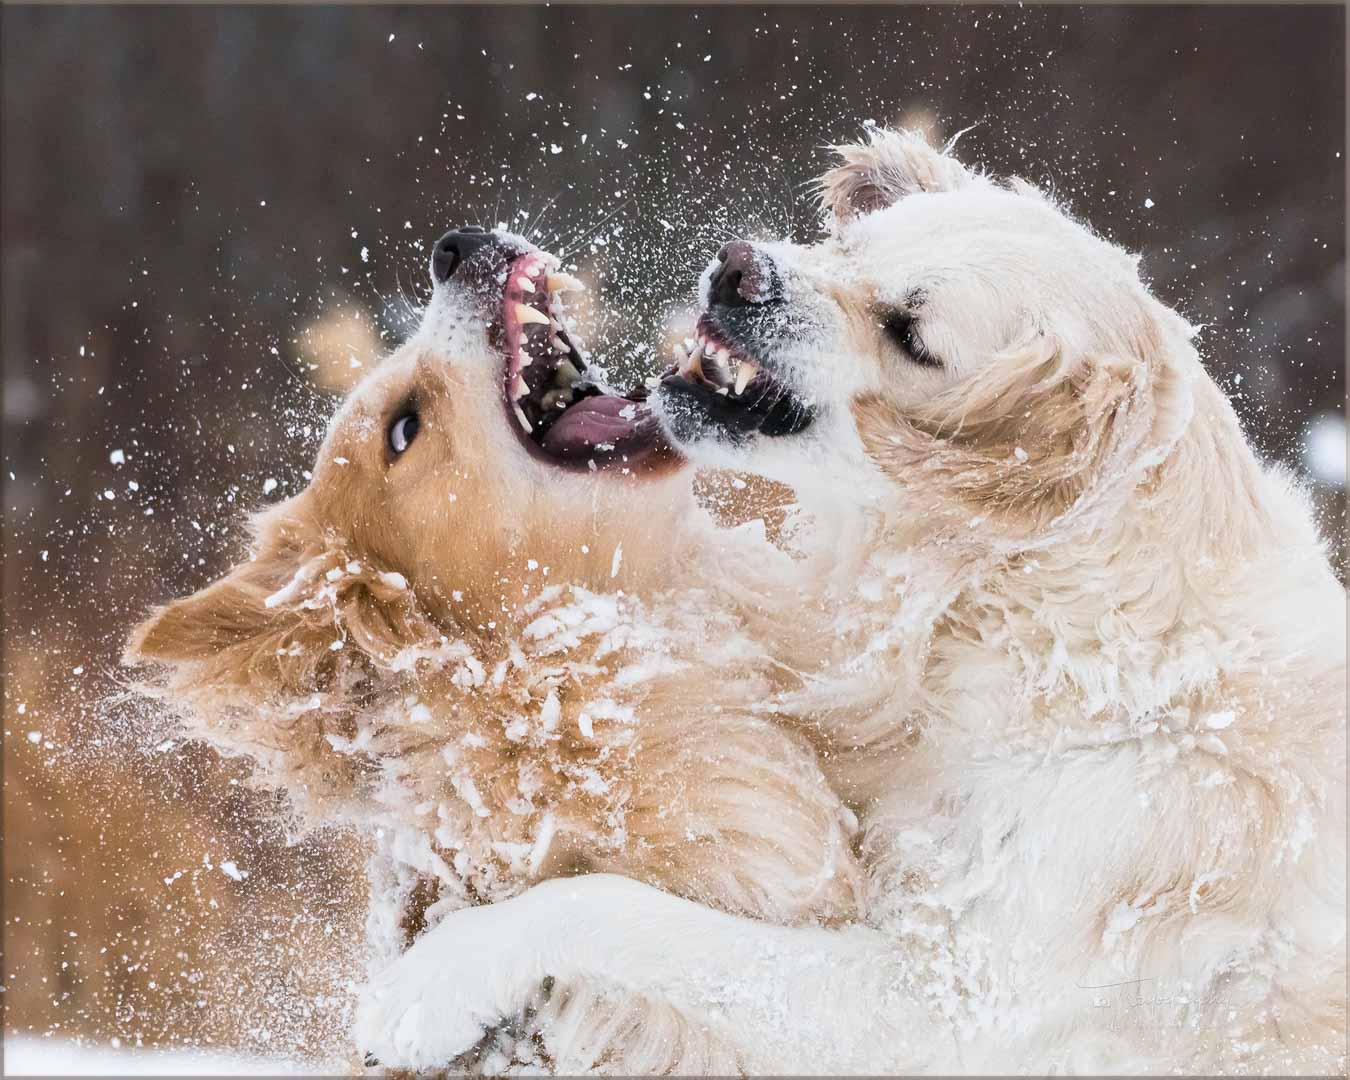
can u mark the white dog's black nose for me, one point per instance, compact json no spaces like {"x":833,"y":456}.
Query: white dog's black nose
{"x":745,"y":277}
{"x":454,"y":248}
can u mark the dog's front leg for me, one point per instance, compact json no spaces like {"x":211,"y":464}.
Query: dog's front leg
{"x":801,"y":999}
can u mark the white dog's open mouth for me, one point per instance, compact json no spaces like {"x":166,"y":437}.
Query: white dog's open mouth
{"x":719,"y":380}
{"x":561,"y":411}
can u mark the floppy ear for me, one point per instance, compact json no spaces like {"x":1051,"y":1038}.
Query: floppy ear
{"x":221,"y":616}
{"x":891,"y":164}
{"x":286,"y":622}
{"x":274,"y":658}
{"x":1038,"y":438}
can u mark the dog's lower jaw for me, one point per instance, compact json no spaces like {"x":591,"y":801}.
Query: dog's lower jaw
{"x":692,"y":430}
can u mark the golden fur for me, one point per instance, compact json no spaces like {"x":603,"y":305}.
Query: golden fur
{"x":1074,"y":657}
{"x":506,"y":674}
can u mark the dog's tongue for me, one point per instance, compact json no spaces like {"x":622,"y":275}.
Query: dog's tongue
{"x":601,"y":427}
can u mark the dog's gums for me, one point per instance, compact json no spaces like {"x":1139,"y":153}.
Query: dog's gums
{"x":714,"y":376}
{"x":561,"y":411}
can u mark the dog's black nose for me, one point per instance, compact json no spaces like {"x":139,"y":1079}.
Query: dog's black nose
{"x":454,"y":248}
{"x":745,"y":277}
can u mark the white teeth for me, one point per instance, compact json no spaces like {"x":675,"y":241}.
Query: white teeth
{"x":525,"y":359}
{"x":557,"y":345}
{"x":524,"y":284}
{"x":722,"y":390}
{"x":519,"y":388}
{"x":746,"y":372}
{"x":524,"y":421}
{"x":526,"y":315}
{"x":564,"y":283}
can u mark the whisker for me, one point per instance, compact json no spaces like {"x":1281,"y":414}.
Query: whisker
{"x":539,"y":217}
{"x":594,"y":229}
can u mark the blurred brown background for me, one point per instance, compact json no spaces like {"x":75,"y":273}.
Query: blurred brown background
{"x":211,"y":215}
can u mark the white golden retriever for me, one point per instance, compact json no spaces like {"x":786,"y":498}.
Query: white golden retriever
{"x":1078,"y":663}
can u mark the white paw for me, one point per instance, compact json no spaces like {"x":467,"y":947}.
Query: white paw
{"x":400,"y":1029}
{"x":435,"y":1001}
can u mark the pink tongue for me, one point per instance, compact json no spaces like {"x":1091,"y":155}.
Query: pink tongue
{"x":600,"y":419}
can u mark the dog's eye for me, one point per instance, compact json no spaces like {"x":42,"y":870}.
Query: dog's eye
{"x":403,"y":431}
{"x":900,"y":328}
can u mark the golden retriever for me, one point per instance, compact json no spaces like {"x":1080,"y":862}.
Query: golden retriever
{"x":1079,"y":666}
{"x":497,"y":634}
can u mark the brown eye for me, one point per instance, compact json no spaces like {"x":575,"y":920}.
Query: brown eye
{"x":901,"y":329}
{"x":403,"y":431}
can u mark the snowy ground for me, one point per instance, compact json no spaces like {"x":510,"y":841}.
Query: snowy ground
{"x":29,"y":1056}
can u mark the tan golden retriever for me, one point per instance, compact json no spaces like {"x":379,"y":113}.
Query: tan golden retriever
{"x":1076,"y":658}
{"x":497,"y":634}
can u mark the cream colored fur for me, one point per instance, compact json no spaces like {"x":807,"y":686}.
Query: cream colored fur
{"x":1071,"y":651}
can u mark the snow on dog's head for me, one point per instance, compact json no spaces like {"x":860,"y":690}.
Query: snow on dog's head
{"x":961,"y":339}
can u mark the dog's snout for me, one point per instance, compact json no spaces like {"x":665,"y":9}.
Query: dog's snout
{"x":745,"y":277}
{"x":454,"y":248}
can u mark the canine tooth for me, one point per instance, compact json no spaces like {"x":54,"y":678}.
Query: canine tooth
{"x":519,"y":388}
{"x":744,"y":374}
{"x":525,"y":359}
{"x":564,"y":283}
{"x":557,"y":344}
{"x":524,"y":420}
{"x":526,"y":315}
{"x":524,"y":284}
{"x":723,"y":391}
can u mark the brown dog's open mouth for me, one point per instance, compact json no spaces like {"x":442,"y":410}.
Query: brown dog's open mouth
{"x":561,"y":410}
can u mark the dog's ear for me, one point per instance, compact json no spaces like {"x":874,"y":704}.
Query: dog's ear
{"x":237,"y":609}
{"x":891,"y":164}
{"x":1035,"y":438}
{"x":221,"y":616}
{"x":286,"y":621}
